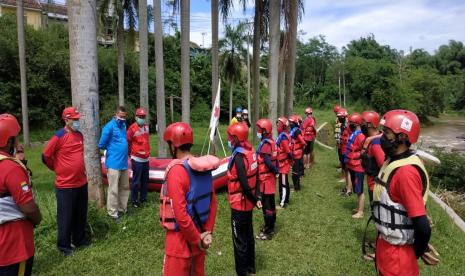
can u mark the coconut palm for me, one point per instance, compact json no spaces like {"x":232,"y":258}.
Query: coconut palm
{"x":143,"y":56}
{"x":160,"y":76}
{"x":22,"y":70}
{"x":231,"y":47}
{"x":257,"y":31}
{"x":112,"y":13}
{"x":84,"y":86}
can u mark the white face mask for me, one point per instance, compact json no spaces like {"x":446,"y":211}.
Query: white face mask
{"x":259,"y":135}
{"x":76,"y":125}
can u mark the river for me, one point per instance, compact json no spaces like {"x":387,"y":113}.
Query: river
{"x":447,"y":132}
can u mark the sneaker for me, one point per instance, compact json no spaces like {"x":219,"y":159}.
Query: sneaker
{"x":136,"y":204}
{"x":67,"y":252}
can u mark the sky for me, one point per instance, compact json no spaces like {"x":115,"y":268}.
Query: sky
{"x":401,"y":24}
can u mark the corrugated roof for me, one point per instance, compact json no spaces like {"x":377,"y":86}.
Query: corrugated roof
{"x":27,"y":4}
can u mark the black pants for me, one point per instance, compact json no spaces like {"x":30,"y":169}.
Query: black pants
{"x":140,"y":181}
{"x":269,"y":213}
{"x":18,"y":269}
{"x":71,"y":217}
{"x":243,"y":241}
{"x":284,"y":189}
{"x":297,"y":172}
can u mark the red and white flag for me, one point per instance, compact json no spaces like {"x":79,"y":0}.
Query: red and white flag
{"x":215,"y":113}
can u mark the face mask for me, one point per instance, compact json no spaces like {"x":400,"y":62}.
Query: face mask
{"x":140,"y":121}
{"x":259,"y":136}
{"x":364,"y":129}
{"x":352,"y":127}
{"x":342,"y":120}
{"x":76,"y":125}
{"x":231,"y":148}
{"x":238,"y":115}
{"x":388,"y":146}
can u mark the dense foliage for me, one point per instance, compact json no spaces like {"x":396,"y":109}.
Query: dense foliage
{"x":449,"y":174}
{"x":373,"y":75}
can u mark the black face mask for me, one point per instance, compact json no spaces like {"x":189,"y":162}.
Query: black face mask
{"x":364,"y":129}
{"x":342,"y":120}
{"x":352,"y":127}
{"x":388,"y":146}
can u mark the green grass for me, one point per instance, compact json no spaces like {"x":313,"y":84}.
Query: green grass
{"x":315,"y":234}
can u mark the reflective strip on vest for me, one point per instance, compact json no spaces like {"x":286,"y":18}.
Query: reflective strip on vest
{"x":391,"y":218}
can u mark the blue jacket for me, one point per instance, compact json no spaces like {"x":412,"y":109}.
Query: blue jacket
{"x":113,"y":139}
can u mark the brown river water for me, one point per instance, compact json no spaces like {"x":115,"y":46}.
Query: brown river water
{"x":447,"y":132}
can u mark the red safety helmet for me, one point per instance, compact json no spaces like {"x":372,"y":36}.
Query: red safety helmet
{"x":265,"y":124}
{"x":294,"y":119}
{"x":371,"y":117}
{"x":179,"y":134}
{"x":342,"y":112}
{"x":140,"y":112}
{"x":308,"y":110}
{"x":283,"y":121}
{"x":402,"y":121}
{"x":355,"y":118}
{"x":9,"y":127}
{"x":241,"y":131}
{"x":70,"y":113}
{"x":336,"y":108}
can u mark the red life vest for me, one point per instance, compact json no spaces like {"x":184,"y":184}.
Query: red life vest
{"x":354,"y":150}
{"x":296,"y":146}
{"x":309,"y":130}
{"x":284,"y":162}
{"x":140,"y":146}
{"x":167,"y":218}
{"x":266,"y":177}
{"x":236,"y":198}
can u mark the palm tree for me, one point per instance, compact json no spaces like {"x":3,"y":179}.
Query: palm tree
{"x":214,"y":48}
{"x":185,"y":60}
{"x":112,"y":14}
{"x":273,"y":61}
{"x":160,"y":77}
{"x":257,"y":31}
{"x":231,"y":47}
{"x":22,"y":70}
{"x":143,"y":56}
{"x":84,"y":86}
{"x":282,"y":73}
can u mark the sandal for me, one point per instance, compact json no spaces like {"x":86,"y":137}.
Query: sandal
{"x":369,"y":257}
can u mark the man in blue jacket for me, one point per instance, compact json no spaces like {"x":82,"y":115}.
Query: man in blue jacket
{"x":113,"y":140}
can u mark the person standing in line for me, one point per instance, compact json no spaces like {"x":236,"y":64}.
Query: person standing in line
{"x":297,"y":145}
{"x":309,"y":133}
{"x":284,"y":159}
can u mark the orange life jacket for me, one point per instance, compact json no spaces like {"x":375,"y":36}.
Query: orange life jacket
{"x":236,"y":198}
{"x":266,"y":177}
{"x":296,"y":146}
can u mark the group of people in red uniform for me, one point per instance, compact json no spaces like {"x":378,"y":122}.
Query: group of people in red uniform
{"x":397,"y":181}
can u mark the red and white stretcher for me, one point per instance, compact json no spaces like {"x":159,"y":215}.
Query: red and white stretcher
{"x":157,"y":173}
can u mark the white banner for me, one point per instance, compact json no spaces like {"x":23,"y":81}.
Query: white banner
{"x":215,"y":113}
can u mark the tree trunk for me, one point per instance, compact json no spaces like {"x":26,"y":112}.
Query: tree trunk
{"x":248,"y":73}
{"x":160,"y":77}
{"x":344,"y":84}
{"x":143,"y":58}
{"x":273,"y":62}
{"x":290,"y":74}
{"x":231,"y":86}
{"x":214,"y":50}
{"x":22,"y":71}
{"x":84,"y":87}
{"x":185,"y":60}
{"x":256,"y":64}
{"x":282,"y":76}
{"x":120,"y":49}
{"x":339,"y":85}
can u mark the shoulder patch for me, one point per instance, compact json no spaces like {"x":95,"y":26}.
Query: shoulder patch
{"x":60,"y":133}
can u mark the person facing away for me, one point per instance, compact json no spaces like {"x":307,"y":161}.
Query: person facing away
{"x":64,"y":155}
{"x":114,"y":141}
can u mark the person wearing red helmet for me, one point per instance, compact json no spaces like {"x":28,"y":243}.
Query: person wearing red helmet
{"x":400,"y":195}
{"x":336,"y":108}
{"x":243,"y":196}
{"x":341,"y":135}
{"x":284,"y":159}
{"x":372,"y":154}
{"x":309,"y":130}
{"x":267,"y":156}
{"x":353,"y":161}
{"x":188,"y":204}
{"x":64,"y":155}
{"x":297,"y":146}
{"x":19,"y":212}
{"x":139,"y":149}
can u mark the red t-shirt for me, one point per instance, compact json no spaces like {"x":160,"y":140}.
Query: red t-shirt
{"x":64,"y":154}
{"x":344,"y":140}
{"x":177,"y":243}
{"x":406,"y":188}
{"x":16,"y":237}
{"x":375,"y":150}
{"x":355,"y":163}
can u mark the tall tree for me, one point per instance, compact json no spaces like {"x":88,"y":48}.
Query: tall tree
{"x":273,"y":61}
{"x":231,"y":47}
{"x":185,"y":60}
{"x":22,"y":70}
{"x":257,"y":30}
{"x":290,"y":70}
{"x":84,"y":86}
{"x":160,"y":77}
{"x":214,"y":48}
{"x":143,"y":57}
{"x":282,"y":73}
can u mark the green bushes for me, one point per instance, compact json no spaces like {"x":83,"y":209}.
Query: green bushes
{"x":450,"y":173}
